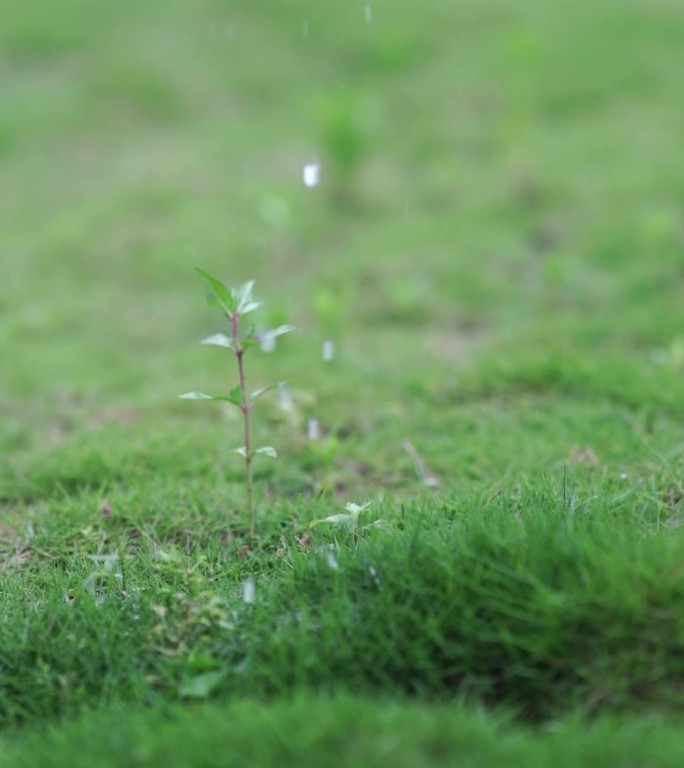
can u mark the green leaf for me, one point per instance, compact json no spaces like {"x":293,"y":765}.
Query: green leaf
{"x":382,"y":524}
{"x":242,"y":297}
{"x":201,"y":686}
{"x":349,"y":519}
{"x":259,"y":392}
{"x":281,"y":329}
{"x":241,"y":450}
{"x":341,"y":519}
{"x":267,"y":338}
{"x":235,"y":396}
{"x":202,"y":396}
{"x":222,"y":294}
{"x":219,"y":340}
{"x":195,"y":396}
{"x":243,"y":293}
{"x":356,"y":509}
{"x":267,"y":450}
{"x":251,"y":306}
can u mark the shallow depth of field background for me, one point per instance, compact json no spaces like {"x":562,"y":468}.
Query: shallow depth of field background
{"x":498,"y":172}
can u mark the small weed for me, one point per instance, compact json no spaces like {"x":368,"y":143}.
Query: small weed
{"x":235,"y":303}
{"x":350,"y":521}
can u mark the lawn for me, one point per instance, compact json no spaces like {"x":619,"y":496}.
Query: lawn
{"x":487,"y":289}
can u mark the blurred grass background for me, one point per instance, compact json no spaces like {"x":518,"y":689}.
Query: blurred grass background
{"x":500,"y":182}
{"x":511,"y":168}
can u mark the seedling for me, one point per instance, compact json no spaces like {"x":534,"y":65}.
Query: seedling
{"x":350,"y":520}
{"x":235,"y":303}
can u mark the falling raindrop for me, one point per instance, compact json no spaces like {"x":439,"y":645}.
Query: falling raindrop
{"x":284,"y":397}
{"x":305,"y":29}
{"x":328,"y":350}
{"x":314,"y":429}
{"x":248,"y":591}
{"x":312,"y":174}
{"x":369,"y":14}
{"x":267,"y":342}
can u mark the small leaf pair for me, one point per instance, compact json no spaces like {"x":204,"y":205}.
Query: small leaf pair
{"x":267,"y":450}
{"x":350,"y":520}
{"x":233,"y":301}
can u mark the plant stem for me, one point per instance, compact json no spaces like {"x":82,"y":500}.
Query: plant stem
{"x":246,"y":410}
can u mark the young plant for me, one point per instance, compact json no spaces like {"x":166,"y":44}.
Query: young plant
{"x":235,"y":303}
{"x":350,"y":521}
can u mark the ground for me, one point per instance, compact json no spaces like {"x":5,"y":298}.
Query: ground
{"x":495,"y":250}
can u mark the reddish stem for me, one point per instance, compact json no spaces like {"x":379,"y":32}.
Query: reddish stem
{"x":246,"y":409}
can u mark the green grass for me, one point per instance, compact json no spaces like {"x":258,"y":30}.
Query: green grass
{"x":496,"y":250}
{"x":340,"y":731}
{"x":540,"y":603}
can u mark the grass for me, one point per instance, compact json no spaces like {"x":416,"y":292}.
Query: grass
{"x":541,"y":603}
{"x":340,"y":731}
{"x":495,"y":249}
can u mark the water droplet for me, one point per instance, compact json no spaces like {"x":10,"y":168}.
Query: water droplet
{"x":331,"y":560}
{"x":284,"y":397}
{"x":374,"y":575}
{"x":267,"y":342}
{"x":314,"y":429}
{"x":328,"y":350}
{"x":312,"y":174}
{"x":248,"y":591}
